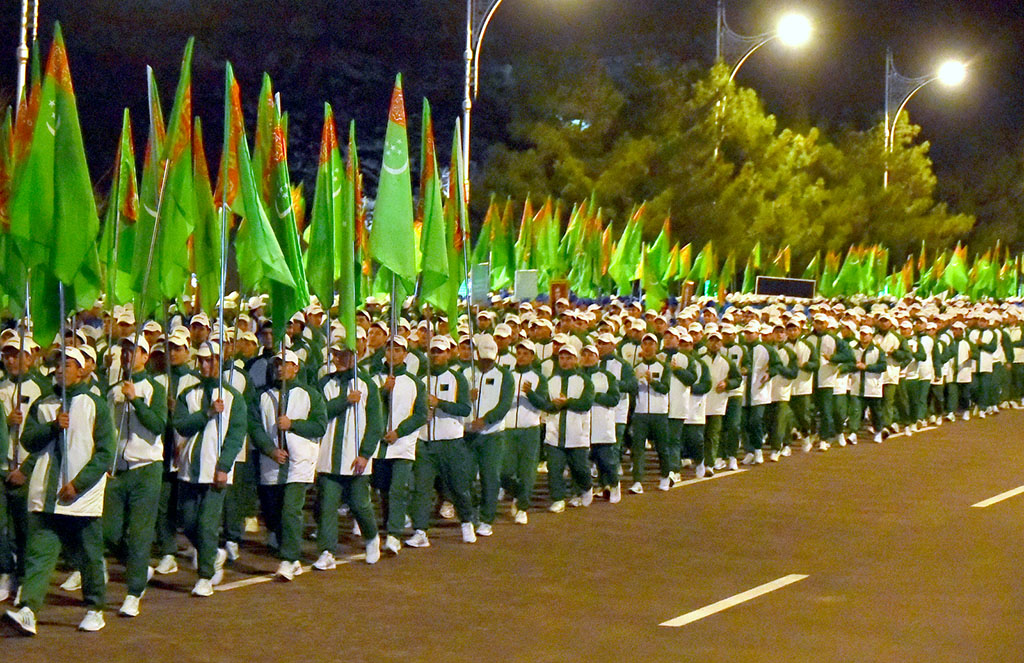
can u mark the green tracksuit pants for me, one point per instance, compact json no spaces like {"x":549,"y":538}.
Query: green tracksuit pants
{"x":81,"y":541}
{"x":691,"y":437}
{"x":519,"y":467}
{"x":800,"y":408}
{"x":393,"y":479}
{"x":753,"y":426}
{"x":731,"y":425}
{"x":167,"y":516}
{"x":824,"y":402}
{"x":331,"y":490}
{"x":450,"y":460}
{"x":486,"y":452}
{"x":857,"y":407}
{"x":287,"y":501}
{"x":240,"y":499}
{"x":202,"y":508}
{"x":13,"y":528}
{"x":712,"y":438}
{"x":606,"y":457}
{"x":840,"y":413}
{"x":780,"y":416}
{"x":645,"y":427}
{"x":579,"y":471}
{"x":130,"y":503}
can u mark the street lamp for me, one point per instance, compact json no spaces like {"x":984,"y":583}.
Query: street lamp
{"x":478,"y":17}
{"x":793,"y":31}
{"x":28,"y":8}
{"x":899,"y":89}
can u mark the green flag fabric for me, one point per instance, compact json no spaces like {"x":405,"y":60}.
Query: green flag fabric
{"x":433,"y":239}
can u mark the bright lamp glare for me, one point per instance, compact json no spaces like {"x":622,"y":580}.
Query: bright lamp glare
{"x":952,"y":73}
{"x":794,"y":30}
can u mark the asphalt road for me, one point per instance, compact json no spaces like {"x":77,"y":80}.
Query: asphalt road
{"x":899,"y":567}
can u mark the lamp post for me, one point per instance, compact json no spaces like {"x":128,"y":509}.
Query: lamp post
{"x":792,"y":30}
{"x":899,"y":89}
{"x":28,"y":7}
{"x":478,"y":17}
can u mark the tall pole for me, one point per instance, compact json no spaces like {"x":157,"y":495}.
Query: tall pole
{"x":21,"y":53}
{"x":467,"y":99}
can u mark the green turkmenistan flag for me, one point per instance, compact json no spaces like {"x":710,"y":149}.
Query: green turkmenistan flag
{"x":659,"y":252}
{"x":175,"y":206}
{"x":323,"y":266}
{"x":826,"y":286}
{"x":625,"y":260}
{"x":52,"y":209}
{"x":753,"y":269}
{"x":813,"y":267}
{"x":456,"y":218}
{"x":503,"y":253}
{"x":433,"y":240}
{"x":392,"y":241}
{"x":257,"y":252}
{"x":119,"y":221}
{"x":653,"y":286}
{"x":206,"y":246}
{"x":524,"y":244}
{"x":482,"y":249}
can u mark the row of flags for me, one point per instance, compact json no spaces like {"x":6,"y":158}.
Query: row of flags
{"x":164,"y":230}
{"x":594,"y":263}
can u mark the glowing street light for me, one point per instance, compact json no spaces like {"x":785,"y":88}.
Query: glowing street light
{"x":899,"y":89}
{"x":793,"y":31}
{"x":952,"y":73}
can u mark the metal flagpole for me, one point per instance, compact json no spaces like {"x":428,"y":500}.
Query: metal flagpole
{"x":220,"y":317}
{"x":141,"y":302}
{"x":23,"y":329}
{"x":64,"y":387}
{"x":117,"y":238}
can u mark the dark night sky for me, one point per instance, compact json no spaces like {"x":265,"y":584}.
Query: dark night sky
{"x":346,"y":52}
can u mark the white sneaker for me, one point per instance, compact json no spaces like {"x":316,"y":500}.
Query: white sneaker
{"x":687,"y":463}
{"x":343,"y":510}
{"x":700,"y":471}
{"x":218,"y":567}
{"x":637,"y":488}
{"x":130,"y":607}
{"x":896,"y":428}
{"x":392,"y":545}
{"x":373,"y":550}
{"x":24,"y":619}
{"x":786,"y":451}
{"x":664,"y":483}
{"x":252,"y":525}
{"x":325,"y":562}
{"x":167,"y":565}
{"x":356,"y":530}
{"x":720,"y":463}
{"x":615,"y":494}
{"x":748,"y":459}
{"x":676,"y":477}
{"x":483,"y":529}
{"x":951,"y":416}
{"x":5,"y":587}
{"x":193,"y":556}
{"x":909,"y":430}
{"x":417,"y":540}
{"x":807,"y":446}
{"x":733,"y":465}
{"x":232,"y":549}
{"x":557,"y":507}
{"x":513,"y":510}
{"x":775,"y":456}
{"x":542,"y":468}
{"x":522,"y":518}
{"x":468,"y":535}
{"x":203,"y":587}
{"x":92,"y":622}
{"x":758,"y":457}
{"x":852,"y":439}
{"x":588,"y":497}
{"x":73,"y":582}
{"x":408,"y":522}
{"x":878,"y":437}
{"x":841,"y":440}
{"x":448,"y":511}
{"x":285,"y":570}
{"x":823,"y":446}
{"x":575,"y":501}
{"x":501,"y":494}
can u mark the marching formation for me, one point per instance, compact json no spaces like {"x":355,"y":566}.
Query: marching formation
{"x":122,"y":437}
